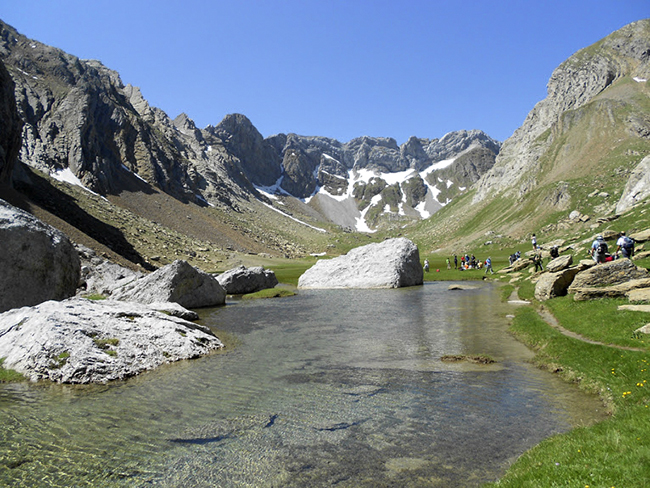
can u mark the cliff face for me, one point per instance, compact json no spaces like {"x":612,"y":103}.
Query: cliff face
{"x":10,"y":126}
{"x":596,"y":94}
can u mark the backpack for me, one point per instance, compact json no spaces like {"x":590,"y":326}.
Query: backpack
{"x":602,"y":247}
{"x":628,"y":244}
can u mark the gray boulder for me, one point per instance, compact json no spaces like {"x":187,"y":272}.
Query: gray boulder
{"x":607,"y":274}
{"x":178,"y":282}
{"x":87,"y":341}
{"x":38,"y":262}
{"x":392,"y":263}
{"x":639,"y":295}
{"x":559,"y":263}
{"x":619,"y":290}
{"x":554,"y":284}
{"x":642,"y":236}
{"x":101,"y":276}
{"x":242,"y":280}
{"x":518,"y":265}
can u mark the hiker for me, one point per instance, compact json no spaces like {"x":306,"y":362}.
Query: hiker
{"x":426,"y":265}
{"x":448,"y":264}
{"x":455,"y":262}
{"x":625,"y":245}
{"x":488,"y":265}
{"x":537,"y":261}
{"x":599,"y":250}
{"x":534,"y":241}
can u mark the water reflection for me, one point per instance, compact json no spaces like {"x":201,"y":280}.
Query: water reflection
{"x":328,"y":387}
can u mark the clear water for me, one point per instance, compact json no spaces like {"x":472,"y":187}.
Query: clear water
{"x":327,"y":388}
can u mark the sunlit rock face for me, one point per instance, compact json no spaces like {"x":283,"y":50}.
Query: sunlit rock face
{"x":393,"y":263}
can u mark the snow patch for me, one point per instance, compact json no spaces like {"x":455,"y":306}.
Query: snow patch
{"x":420,"y":209}
{"x":640,"y":80}
{"x":292,"y":217}
{"x":134,"y":174}
{"x":67,"y":176}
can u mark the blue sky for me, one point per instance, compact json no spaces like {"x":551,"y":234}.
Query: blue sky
{"x":339,"y":69}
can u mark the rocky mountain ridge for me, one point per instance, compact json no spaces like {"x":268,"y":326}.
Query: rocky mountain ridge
{"x":575,"y":84}
{"x":80,"y":116}
{"x":577,"y":162}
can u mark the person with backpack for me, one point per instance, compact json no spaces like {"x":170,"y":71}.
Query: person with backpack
{"x":599,"y":249}
{"x":488,"y":266}
{"x":625,"y":245}
{"x":537,"y":261}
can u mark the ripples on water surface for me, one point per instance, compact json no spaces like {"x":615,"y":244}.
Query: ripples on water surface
{"x":330,"y":387}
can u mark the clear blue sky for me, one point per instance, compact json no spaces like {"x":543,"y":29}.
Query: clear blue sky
{"x":333,"y":68}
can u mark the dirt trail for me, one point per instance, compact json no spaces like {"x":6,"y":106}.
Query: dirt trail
{"x":550,"y":319}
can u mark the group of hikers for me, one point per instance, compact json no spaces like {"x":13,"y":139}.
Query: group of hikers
{"x":466,"y":262}
{"x":599,"y":252}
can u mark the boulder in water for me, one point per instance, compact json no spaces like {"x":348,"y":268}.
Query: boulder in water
{"x":95,"y":341}
{"x":178,"y":282}
{"x":242,"y":280}
{"x":393,"y":263}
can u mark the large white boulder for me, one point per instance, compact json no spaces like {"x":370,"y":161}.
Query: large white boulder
{"x":86,"y":341}
{"x":178,"y":282}
{"x":393,"y":263}
{"x":37,"y":262}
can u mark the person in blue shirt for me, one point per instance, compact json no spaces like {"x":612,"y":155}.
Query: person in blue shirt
{"x":488,"y":266}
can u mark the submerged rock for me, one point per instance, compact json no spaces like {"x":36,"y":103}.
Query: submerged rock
{"x":86,"y":341}
{"x":393,"y":263}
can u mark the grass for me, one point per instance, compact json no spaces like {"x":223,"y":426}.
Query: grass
{"x":106,"y":345}
{"x":613,"y":453}
{"x":269,"y":293}
{"x":289,"y":272}
{"x":9,"y":375}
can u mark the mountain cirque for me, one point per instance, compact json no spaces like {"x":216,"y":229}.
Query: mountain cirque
{"x":81,"y":120}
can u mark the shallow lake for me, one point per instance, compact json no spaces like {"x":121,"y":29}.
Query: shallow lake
{"x":326,"y":388}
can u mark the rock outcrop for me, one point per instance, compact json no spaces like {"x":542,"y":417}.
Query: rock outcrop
{"x":392,"y":263}
{"x":637,"y":188}
{"x":609,"y":280}
{"x":619,"y":290}
{"x":607,"y":274}
{"x":554,"y":284}
{"x":10,"y":126}
{"x":86,"y":341}
{"x":38,"y":262}
{"x":178,"y":282}
{"x":519,"y":265}
{"x":242,"y":280}
{"x":573,"y":86}
{"x":559,"y":263}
